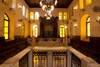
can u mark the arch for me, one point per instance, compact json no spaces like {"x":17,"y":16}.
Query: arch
{"x":87,"y":2}
{"x":84,"y":27}
{"x":13,"y":4}
{"x":23,"y":10}
{"x":33,"y":27}
{"x":31,"y":15}
{"x":65,"y":16}
{"x":63,"y":30}
{"x":35,"y":30}
{"x":11,"y":25}
{"x":81,"y":4}
{"x":60,"y":15}
{"x":36,"y":15}
{"x":6,"y":26}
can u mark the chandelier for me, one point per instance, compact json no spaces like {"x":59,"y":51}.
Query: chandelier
{"x":48,"y":6}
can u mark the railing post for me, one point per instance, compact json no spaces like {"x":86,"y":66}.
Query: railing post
{"x":69,"y":58}
{"x":49,"y":58}
{"x":30,"y":59}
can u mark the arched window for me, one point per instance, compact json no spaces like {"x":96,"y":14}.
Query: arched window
{"x":36,"y":15}
{"x":62,"y":31}
{"x":27,"y":13}
{"x":14,"y":4}
{"x":85,"y":27}
{"x":65,"y":16}
{"x":60,"y":15}
{"x":23,"y":11}
{"x":35,"y":30}
{"x":31,"y":15}
{"x":88,"y":27}
{"x":87,"y":2}
{"x":81,"y":4}
{"x":6,"y":26}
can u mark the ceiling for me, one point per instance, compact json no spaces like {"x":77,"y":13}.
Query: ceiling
{"x":60,"y":4}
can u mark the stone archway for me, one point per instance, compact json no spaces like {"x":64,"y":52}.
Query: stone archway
{"x":83,"y":26}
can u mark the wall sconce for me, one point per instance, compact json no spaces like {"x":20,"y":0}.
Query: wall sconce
{"x":75,"y":8}
{"x":65,"y":27}
{"x":75,"y":25}
{"x":98,"y":19}
{"x":19,"y":6}
{"x":19,"y":25}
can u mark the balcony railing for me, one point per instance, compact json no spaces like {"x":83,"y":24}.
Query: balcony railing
{"x":48,"y":42}
{"x":74,"y":59}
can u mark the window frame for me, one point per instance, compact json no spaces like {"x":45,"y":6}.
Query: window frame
{"x":6,"y":26}
{"x":62,"y":33}
{"x":87,"y":22}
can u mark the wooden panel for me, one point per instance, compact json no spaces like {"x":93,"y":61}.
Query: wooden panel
{"x":52,"y":23}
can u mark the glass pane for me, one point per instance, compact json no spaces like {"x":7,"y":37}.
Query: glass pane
{"x":88,"y":26}
{"x":6,"y":36}
{"x":60,"y":15}
{"x":6,"y":23}
{"x":88,"y":2}
{"x":36,"y":15}
{"x":23,"y":11}
{"x":62,"y":31}
{"x":5,"y":29}
{"x":31,"y":15}
{"x":81,"y":4}
{"x":36,"y":32}
{"x":5,"y":17}
{"x":88,"y":34}
{"x":65,"y":15}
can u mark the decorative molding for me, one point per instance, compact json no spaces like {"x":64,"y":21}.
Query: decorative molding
{"x":96,"y":8}
{"x":20,"y":20}
{"x":74,"y":20}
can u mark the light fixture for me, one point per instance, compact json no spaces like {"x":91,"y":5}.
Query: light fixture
{"x":48,"y":6}
{"x":75,"y":25}
{"x":19,"y":6}
{"x":19,"y":25}
{"x":75,"y":8}
{"x":98,"y":19}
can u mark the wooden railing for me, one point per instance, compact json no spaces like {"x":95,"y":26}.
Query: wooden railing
{"x":10,"y":48}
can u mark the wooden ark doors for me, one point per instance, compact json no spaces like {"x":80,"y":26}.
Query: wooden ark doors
{"x":48,"y":28}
